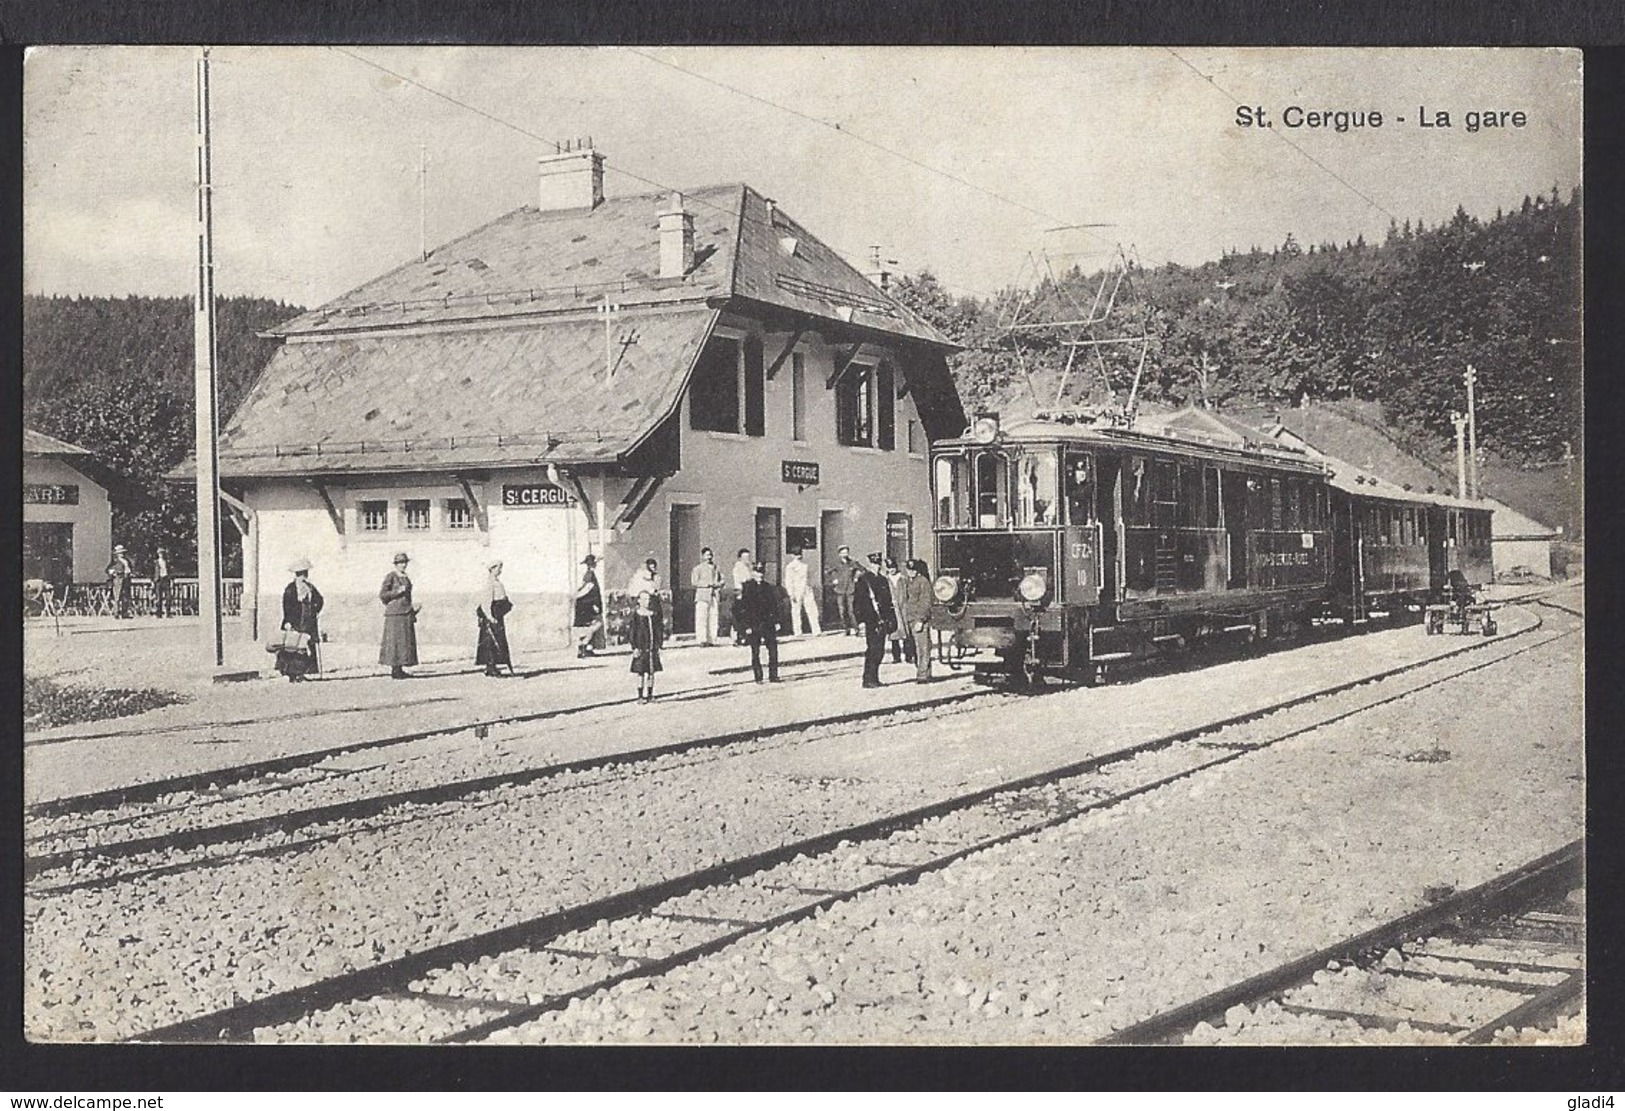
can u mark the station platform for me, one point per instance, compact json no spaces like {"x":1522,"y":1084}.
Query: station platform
{"x":701,"y":691}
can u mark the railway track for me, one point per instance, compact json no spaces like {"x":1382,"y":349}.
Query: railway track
{"x":273,"y":827}
{"x":293,"y":830}
{"x":1503,"y":957}
{"x":451,"y":992}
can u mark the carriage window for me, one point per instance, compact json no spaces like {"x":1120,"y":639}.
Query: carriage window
{"x":1190,"y":496}
{"x":992,"y":492}
{"x":953,"y":491}
{"x":1136,"y":492}
{"x":1211,"y":501}
{"x":1294,"y":504}
{"x":1035,"y":489}
{"x":1080,"y":490}
{"x":1165,"y":492}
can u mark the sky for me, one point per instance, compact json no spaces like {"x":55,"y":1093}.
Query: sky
{"x":962,"y":161}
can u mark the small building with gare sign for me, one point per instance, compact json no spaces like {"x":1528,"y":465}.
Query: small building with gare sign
{"x":623,"y":377}
{"x":67,"y":515}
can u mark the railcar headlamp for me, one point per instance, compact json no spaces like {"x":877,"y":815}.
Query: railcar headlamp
{"x":945,"y":588}
{"x":1033,"y":587}
{"x":985,"y":429}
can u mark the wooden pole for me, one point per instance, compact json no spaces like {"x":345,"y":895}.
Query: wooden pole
{"x":205,"y":388}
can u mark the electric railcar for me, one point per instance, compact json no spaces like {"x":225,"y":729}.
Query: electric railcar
{"x":1066,"y":544}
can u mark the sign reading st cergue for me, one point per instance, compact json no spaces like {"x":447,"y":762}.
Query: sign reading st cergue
{"x":536,"y":495}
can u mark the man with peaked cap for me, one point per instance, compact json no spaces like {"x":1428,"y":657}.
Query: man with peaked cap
{"x":873,"y":609}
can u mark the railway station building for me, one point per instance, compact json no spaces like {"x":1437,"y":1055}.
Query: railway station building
{"x":619,"y":377}
{"x":67,"y":515}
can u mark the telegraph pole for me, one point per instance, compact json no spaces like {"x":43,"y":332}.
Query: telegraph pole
{"x":1461,"y":454}
{"x":1472,"y":431}
{"x":423,"y":203}
{"x":205,"y":386}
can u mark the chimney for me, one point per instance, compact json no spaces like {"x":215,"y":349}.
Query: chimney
{"x":876,"y":271}
{"x":676,"y":239}
{"x":572,"y":179}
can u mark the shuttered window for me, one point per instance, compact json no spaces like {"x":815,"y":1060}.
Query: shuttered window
{"x":755,"y":407}
{"x":886,"y":408}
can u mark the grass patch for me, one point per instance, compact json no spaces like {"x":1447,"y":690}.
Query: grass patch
{"x":47,"y":704}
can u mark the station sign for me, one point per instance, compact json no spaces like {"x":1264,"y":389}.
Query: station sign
{"x":536,"y":495}
{"x":35,"y":493}
{"x":802,"y":474}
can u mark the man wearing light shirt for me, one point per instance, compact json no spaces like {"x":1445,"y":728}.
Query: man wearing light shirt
{"x":706,"y":579}
{"x":801,"y":597}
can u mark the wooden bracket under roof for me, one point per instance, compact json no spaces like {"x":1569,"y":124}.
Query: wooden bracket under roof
{"x":334,"y":513}
{"x":844,"y":363}
{"x":773,"y":368}
{"x":635,"y":510}
{"x":481,"y":520}
{"x":581,"y":494}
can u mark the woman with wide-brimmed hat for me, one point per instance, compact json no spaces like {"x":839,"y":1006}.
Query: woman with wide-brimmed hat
{"x":399,"y":648}
{"x":301,"y":603}
{"x":492,"y":612}
{"x":589,"y":607}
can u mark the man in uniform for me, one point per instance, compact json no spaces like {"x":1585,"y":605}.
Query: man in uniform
{"x":916,"y":610}
{"x":759,"y":619}
{"x":872,"y":606}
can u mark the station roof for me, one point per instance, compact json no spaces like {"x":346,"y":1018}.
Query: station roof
{"x":531,"y":262}
{"x":492,"y":350}
{"x":39,"y":444}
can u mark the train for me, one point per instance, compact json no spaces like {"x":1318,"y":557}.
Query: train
{"x":1070,"y":542}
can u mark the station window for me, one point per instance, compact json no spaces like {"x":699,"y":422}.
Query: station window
{"x":914,"y":437}
{"x":854,"y":407}
{"x":953,"y":491}
{"x":416,"y":513}
{"x":798,"y":396}
{"x":375,"y":516}
{"x":718,"y":382}
{"x":457,"y":514}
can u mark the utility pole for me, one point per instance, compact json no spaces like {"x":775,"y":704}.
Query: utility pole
{"x":1461,"y":454}
{"x":1472,"y":432}
{"x":423,"y":203}
{"x":205,"y":386}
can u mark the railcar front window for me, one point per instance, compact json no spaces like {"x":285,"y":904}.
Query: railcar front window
{"x":1080,"y":490}
{"x":1035,"y":489}
{"x":953,"y":492}
{"x":992,"y":490}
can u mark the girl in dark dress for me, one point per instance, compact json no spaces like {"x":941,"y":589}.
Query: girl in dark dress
{"x":492,"y":614}
{"x":647,"y":631}
{"x":301,"y":602}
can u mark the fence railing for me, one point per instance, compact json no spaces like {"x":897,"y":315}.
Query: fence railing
{"x":96,"y":599}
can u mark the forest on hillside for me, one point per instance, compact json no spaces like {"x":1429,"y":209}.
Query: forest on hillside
{"x":1397,"y":323}
{"x":114,"y":375}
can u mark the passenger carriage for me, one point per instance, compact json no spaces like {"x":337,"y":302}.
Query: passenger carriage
{"x":1069,"y":542}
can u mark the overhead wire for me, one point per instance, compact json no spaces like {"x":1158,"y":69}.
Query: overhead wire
{"x":1236,"y":102}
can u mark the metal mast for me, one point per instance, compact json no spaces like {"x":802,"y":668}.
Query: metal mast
{"x":205,"y":386}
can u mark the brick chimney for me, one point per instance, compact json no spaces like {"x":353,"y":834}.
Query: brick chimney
{"x":572,"y":179}
{"x":676,"y":239}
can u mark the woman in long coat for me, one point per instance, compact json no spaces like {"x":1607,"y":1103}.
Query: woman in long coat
{"x":492,"y":614}
{"x":646,"y":631}
{"x":399,"y":649}
{"x":301,"y":603}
